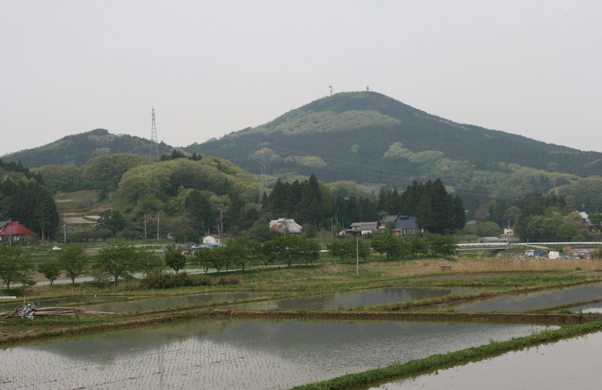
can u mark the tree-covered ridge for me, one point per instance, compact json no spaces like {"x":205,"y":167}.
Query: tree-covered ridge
{"x":103,"y":172}
{"x":157,"y":182}
{"x":78,"y":148}
{"x":298,"y":122}
{"x":367,"y":137}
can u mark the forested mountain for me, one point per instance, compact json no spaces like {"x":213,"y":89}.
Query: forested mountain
{"x":371,"y":138}
{"x":78,"y":148}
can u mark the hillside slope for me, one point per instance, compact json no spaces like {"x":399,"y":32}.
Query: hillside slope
{"x":369,"y":137}
{"x":78,"y":148}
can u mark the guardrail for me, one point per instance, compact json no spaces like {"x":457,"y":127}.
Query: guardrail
{"x":506,"y":245}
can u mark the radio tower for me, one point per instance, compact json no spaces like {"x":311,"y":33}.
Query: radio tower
{"x":154,"y":142}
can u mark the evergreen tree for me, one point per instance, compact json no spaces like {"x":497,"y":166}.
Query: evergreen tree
{"x":459,"y":213}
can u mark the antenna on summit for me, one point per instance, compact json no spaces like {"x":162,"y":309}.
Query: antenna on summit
{"x":367,"y":88}
{"x":154,"y":141}
{"x":331,"y":90}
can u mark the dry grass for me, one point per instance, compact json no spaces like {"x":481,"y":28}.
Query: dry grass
{"x":533,"y":265}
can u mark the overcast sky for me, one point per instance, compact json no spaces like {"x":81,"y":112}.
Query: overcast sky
{"x":212,"y":67}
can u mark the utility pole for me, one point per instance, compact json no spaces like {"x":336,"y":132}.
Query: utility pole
{"x":357,"y":255}
{"x":158,"y":219}
{"x":10,"y":233}
{"x":154,"y":142}
{"x":221,"y":223}
{"x":263,"y":181}
{"x":145,"y":225}
{"x":64,"y":229}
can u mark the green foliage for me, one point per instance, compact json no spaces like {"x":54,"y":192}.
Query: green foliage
{"x":175,"y":260}
{"x":441,"y":245}
{"x":299,"y":200}
{"x":586,"y":192}
{"x":289,"y":249}
{"x":488,"y":229}
{"x":236,"y":252}
{"x":342,"y":248}
{"x":51,"y":269}
{"x":111,"y":220}
{"x":116,"y":261}
{"x":101,"y":234}
{"x":261,"y":231}
{"x":166,"y":178}
{"x":349,"y":248}
{"x":544,"y":218}
{"x":309,"y":230}
{"x":29,"y":203}
{"x":205,"y":258}
{"x":106,"y":171}
{"x":74,"y":262}
{"x":150,"y":261}
{"x":187,"y":235}
{"x":15,"y":266}
{"x":158,"y":279}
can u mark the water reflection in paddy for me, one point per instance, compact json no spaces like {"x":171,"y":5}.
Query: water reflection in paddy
{"x":349,"y":299}
{"x":520,"y":302}
{"x":567,"y":364}
{"x":237,"y":355}
{"x":158,"y":303}
{"x":316,"y":302}
{"x":591,"y":308}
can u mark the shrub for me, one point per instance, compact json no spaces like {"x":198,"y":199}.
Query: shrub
{"x":228,"y":280}
{"x":158,"y":279}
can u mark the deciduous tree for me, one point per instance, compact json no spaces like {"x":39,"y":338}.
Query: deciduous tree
{"x":74,"y":262}
{"x":15,"y":266}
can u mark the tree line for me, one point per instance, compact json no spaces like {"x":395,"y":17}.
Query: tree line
{"x":29,"y":203}
{"x":435,"y":209}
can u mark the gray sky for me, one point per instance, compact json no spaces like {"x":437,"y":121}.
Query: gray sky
{"x":212,"y":67}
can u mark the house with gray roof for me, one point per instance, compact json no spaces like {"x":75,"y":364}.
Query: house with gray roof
{"x":405,"y":225}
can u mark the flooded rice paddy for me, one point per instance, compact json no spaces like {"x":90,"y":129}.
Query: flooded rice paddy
{"x":352,"y":299}
{"x":52,"y":302}
{"x":589,"y":308}
{"x":566,"y":364}
{"x":162,"y":302}
{"x":236,"y":355}
{"x":539,"y":299}
{"x":316,"y":302}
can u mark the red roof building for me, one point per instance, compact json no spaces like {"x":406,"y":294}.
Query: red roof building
{"x":13,"y":230}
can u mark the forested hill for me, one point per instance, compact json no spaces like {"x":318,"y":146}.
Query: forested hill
{"x":78,"y":148}
{"x":368,"y":137}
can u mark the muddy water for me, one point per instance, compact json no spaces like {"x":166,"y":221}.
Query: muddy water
{"x":354,"y":299}
{"x":520,"y":302}
{"x":567,"y":364}
{"x":236,"y":355}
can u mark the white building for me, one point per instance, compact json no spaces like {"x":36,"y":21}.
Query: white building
{"x":212,"y":239}
{"x":285,"y":226}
